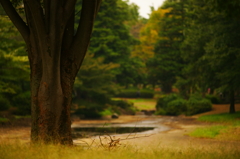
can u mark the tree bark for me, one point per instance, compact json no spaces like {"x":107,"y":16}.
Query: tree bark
{"x":55,"y":56}
{"x":232,"y":102}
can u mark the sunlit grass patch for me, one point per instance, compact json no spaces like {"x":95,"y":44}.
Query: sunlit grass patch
{"x":141,"y":103}
{"x":221,"y":118}
{"x":208,"y":132}
{"x":144,"y":104}
{"x":227,"y":124}
{"x":142,"y":100}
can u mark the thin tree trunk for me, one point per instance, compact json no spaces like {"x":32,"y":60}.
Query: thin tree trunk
{"x":232,"y":102}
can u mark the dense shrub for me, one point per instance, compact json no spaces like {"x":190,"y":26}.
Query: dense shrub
{"x":135,"y":93}
{"x":94,"y":110}
{"x":176,"y":107}
{"x":196,"y":104}
{"x":123,"y":107}
{"x":173,"y":104}
{"x":23,"y":103}
{"x":121,"y":103}
{"x":213,"y":98}
{"x":4,"y":103}
{"x":89,"y":110}
{"x":164,"y":100}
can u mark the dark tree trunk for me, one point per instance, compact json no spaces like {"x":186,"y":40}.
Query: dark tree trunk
{"x":232,"y":102}
{"x":55,"y":56}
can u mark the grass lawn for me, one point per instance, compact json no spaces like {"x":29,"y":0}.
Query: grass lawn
{"x":141,"y":103}
{"x":227,"y":127}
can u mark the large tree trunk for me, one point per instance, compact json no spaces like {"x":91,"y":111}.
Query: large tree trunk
{"x":52,"y":79}
{"x":55,"y":55}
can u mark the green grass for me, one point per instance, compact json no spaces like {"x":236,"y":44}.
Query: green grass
{"x":144,"y":104}
{"x":106,"y":112}
{"x":141,"y":103}
{"x":208,"y":132}
{"x":3,"y":120}
{"x":221,"y":118}
{"x":225,"y":123}
{"x":141,"y":100}
{"x":30,"y":151}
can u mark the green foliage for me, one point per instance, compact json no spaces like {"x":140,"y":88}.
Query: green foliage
{"x":4,"y":103}
{"x":171,"y":104}
{"x":196,"y":104}
{"x":111,"y":39}
{"x":176,"y":107}
{"x":135,"y":93}
{"x":213,"y":98}
{"x":167,"y":63}
{"x":164,"y":100}
{"x":106,"y":112}
{"x":88,"y":109}
{"x":123,"y":107}
{"x":94,"y":86}
{"x":10,"y":38}
{"x":14,"y":68}
{"x":22,"y":102}
{"x":121,"y":103}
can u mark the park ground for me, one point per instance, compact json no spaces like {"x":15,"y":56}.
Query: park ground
{"x":176,"y":138}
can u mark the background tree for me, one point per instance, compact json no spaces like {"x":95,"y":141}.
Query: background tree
{"x":167,"y":62}
{"x":94,"y":86}
{"x":111,"y":37}
{"x":14,"y":68}
{"x":55,"y":54}
{"x":212,"y":50}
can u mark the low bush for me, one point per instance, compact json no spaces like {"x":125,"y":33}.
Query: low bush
{"x":135,"y":93}
{"x":171,"y":104}
{"x":164,"y":100}
{"x":121,"y":103}
{"x":92,"y":110}
{"x":176,"y":107}
{"x":123,"y":107}
{"x":213,"y":98}
{"x":89,"y":113}
{"x":196,"y":104}
{"x":4,"y":103}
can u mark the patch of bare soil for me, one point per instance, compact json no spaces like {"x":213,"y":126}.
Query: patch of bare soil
{"x":177,"y":137}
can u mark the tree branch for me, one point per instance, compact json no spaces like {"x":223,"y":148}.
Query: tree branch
{"x":37,"y":15}
{"x":69,"y":9}
{"x":16,"y":19}
{"x":46,"y":4}
{"x":84,"y":31}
